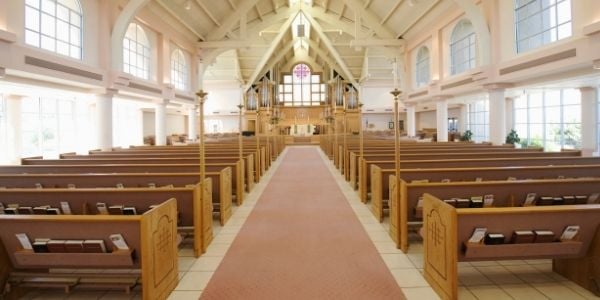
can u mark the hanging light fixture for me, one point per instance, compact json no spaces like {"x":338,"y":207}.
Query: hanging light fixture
{"x":301,"y":26}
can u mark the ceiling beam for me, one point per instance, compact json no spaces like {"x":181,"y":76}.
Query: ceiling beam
{"x":368,"y":3}
{"x":283,"y":30}
{"x":332,"y":50}
{"x":413,"y":23}
{"x":391,"y":12}
{"x":258,"y":12}
{"x":343,"y":10}
{"x":274,"y":5}
{"x":231,"y":20}
{"x":377,"y":43}
{"x":208,"y":13}
{"x":326,"y":5}
{"x":282,"y":53}
{"x":238,"y":66}
{"x":231,"y":4}
{"x":370,"y":19}
{"x":320,"y":14}
{"x":178,"y":18}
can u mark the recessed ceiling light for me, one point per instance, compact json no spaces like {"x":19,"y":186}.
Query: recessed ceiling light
{"x":188,"y":5}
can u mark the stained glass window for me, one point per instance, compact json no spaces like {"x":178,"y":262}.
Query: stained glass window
{"x":301,"y":87}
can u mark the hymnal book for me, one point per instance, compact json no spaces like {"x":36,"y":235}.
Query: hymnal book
{"x":560,"y":177}
{"x":40,"y":246}
{"x":488,"y":200}
{"x":24,"y":240}
{"x":445,"y":180}
{"x":569,"y":233}
{"x":41,"y":210}
{"x":102,"y":208}
{"x":420,"y":202}
{"x":66,"y":208}
{"x":558,"y":201}
{"x":593,"y":198}
{"x":478,"y":179}
{"x":1,"y":208}
{"x":56,"y":246}
{"x":115,"y":209}
{"x":462,"y":203}
{"x":71,"y":186}
{"x":476,"y":202}
{"x":420,"y":181}
{"x":418,"y":209}
{"x":581,"y":199}
{"x":119,"y":242}
{"x":53,"y":211}
{"x":530,"y":199}
{"x":168,"y":186}
{"x":568,"y":200}
{"x":451,"y":202}
{"x":478,"y":235}
{"x":494,"y":239}
{"x":11,"y":211}
{"x":522,"y":237}
{"x":543,"y":236}
{"x":120,"y":186}
{"x":129,"y":210}
{"x":39,"y":186}
{"x":25,"y":210}
{"x":152,"y":185}
{"x":74,"y":246}
{"x":94,"y":246}
{"x":511,"y":178}
{"x":544,"y":201}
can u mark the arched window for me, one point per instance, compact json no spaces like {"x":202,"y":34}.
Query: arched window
{"x":463,"y":49}
{"x":54,"y":25}
{"x":422,"y":67}
{"x":136,"y":52}
{"x":301,"y":87}
{"x":179,"y":70}
{"x":540,"y":22}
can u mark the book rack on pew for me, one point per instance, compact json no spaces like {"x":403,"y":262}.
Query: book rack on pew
{"x":447,"y":231}
{"x":150,"y":240}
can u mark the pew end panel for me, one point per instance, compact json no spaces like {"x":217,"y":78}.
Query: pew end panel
{"x":447,"y":229}
{"x":151,"y":238}
{"x":376,"y":193}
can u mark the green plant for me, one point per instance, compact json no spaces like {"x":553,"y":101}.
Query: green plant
{"x":466,"y":137}
{"x":512,"y":137}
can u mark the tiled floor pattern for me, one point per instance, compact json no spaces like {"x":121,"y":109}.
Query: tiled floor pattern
{"x":495,"y":280}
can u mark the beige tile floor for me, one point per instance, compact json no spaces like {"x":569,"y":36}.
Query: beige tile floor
{"x":522,"y":279}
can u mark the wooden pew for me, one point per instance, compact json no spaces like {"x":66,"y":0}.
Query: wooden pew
{"x":380,"y":177}
{"x":467,"y":163}
{"x":506,"y":194}
{"x":221,"y":173}
{"x":151,"y":238}
{"x":447,"y":231}
{"x":194,"y":212}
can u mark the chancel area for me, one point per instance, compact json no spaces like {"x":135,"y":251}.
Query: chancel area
{"x":299,"y":149}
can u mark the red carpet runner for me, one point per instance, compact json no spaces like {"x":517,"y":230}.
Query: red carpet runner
{"x":302,"y":241}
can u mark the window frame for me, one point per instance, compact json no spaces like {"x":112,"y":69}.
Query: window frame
{"x":180,"y":67}
{"x":131,"y":50}
{"x":30,"y":33}
{"x":479,"y":109}
{"x":531,"y":16}
{"x":470,"y":47}
{"x":286,"y":94}
{"x":422,"y":67}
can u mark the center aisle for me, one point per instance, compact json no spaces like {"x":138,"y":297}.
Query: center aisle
{"x":302,"y":241}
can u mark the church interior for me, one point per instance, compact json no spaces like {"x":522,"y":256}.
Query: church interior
{"x":299,"y":149}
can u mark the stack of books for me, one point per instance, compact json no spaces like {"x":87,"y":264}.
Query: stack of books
{"x":543,"y":236}
{"x":522,"y":237}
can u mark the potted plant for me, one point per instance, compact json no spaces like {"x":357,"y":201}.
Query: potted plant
{"x":466,"y":137}
{"x":512,"y":137}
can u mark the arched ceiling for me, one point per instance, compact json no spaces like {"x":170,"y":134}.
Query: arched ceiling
{"x":359,"y":39}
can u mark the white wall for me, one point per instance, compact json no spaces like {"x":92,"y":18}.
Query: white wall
{"x":377,"y":97}
{"x":427,"y":119}
{"x":222,"y":97}
{"x":176,"y":124}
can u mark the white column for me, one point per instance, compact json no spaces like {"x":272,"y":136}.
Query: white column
{"x":508,"y":108}
{"x":462,"y":119}
{"x":104,"y":121}
{"x":193,"y":123}
{"x":82,"y":126}
{"x":13,"y":122}
{"x":589,"y":137}
{"x":160,"y":121}
{"x":497,"y":116}
{"x":442,"y":120}
{"x":411,"y":120}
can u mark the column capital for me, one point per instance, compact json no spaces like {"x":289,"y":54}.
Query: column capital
{"x":497,"y":86}
{"x":440,"y":98}
{"x":105,"y":92}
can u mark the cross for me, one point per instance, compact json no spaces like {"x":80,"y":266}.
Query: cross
{"x":301,"y":71}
